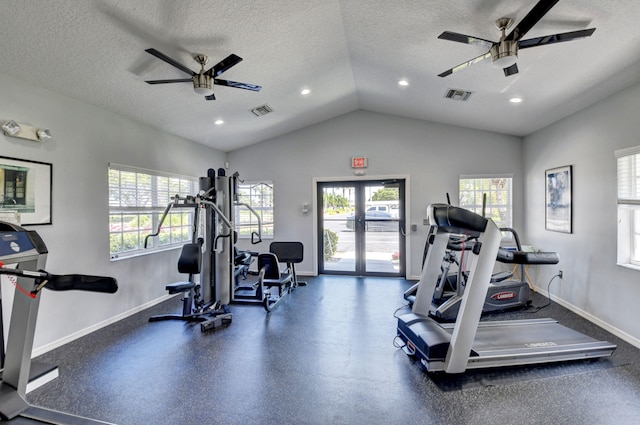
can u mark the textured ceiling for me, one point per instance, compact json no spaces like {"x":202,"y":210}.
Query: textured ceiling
{"x":349,"y":53}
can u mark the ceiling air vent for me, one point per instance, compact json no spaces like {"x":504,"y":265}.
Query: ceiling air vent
{"x":259,"y":111}
{"x":457,"y":94}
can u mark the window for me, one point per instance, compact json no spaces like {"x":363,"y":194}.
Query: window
{"x":498,"y":197}
{"x":137,"y":200}
{"x":628,"y":206}
{"x":259,"y":196}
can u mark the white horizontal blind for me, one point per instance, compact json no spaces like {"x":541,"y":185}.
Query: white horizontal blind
{"x":259,"y":196}
{"x":137,"y":199}
{"x":628,"y":206}
{"x":628,"y":179}
{"x":498,"y":190}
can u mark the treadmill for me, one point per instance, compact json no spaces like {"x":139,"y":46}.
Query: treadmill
{"x":23,"y":256}
{"x":505,"y":291}
{"x":469,"y":343}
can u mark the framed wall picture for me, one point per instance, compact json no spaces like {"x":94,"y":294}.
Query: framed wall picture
{"x":25,"y":188}
{"x":558,"y":199}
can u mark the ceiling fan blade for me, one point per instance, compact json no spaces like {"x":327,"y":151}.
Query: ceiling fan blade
{"x":170,"y":61}
{"x":237,"y":85}
{"x":510,"y":70}
{"x":532,"y":18}
{"x":465,"y":64}
{"x":210,"y":97}
{"x":555,"y":38}
{"x":466,"y":39}
{"x":224,"y":65}
{"x":183,"y":80}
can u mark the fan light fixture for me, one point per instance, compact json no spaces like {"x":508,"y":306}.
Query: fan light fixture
{"x":504,"y":54}
{"x":22,"y":131}
{"x":204,"y":80}
{"x":202,"y":91}
{"x":202,"y":84}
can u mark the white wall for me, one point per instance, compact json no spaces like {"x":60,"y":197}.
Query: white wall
{"x":86,"y":140}
{"x":432,"y":155}
{"x":593,"y":285}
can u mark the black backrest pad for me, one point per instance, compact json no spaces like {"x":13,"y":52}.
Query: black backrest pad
{"x":287,"y":252}
{"x":269,"y":262}
{"x":190,"y":259}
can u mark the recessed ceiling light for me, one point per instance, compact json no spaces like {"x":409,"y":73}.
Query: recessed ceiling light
{"x":515,"y":100}
{"x":305,"y":92}
{"x":219,"y":122}
{"x":403,"y":83}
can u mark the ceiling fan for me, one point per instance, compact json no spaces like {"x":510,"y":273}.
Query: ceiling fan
{"x":204,"y":80}
{"x":504,"y":53}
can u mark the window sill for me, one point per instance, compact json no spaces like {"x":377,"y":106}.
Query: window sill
{"x":629,"y":266}
{"x":143,"y":253}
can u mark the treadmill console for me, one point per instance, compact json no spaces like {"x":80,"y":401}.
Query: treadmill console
{"x":17,"y":241}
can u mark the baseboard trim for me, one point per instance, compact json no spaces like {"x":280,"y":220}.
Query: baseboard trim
{"x":62,"y":341}
{"x":593,"y":319}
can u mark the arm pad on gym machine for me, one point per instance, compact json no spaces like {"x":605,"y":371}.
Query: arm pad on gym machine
{"x":83,"y":283}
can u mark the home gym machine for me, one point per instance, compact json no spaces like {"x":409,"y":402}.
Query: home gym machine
{"x":272,"y":283}
{"x":469,"y":343}
{"x":210,"y":254}
{"x":26,"y":253}
{"x":507,"y":290}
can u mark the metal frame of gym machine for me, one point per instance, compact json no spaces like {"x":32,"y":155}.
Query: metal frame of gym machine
{"x":213,"y":230}
{"x":261,"y":291}
{"x":26,"y":251}
{"x":469,"y":343}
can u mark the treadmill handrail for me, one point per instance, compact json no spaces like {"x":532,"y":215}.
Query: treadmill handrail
{"x":67,"y":282}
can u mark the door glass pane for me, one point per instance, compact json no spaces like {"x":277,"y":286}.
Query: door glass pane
{"x":361,"y":228}
{"x":338,"y":228}
{"x":382,"y":228}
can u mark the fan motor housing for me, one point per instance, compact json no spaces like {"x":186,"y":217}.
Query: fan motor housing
{"x":504,"y":53}
{"x":202,"y":83}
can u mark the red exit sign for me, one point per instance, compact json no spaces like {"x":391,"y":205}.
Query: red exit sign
{"x":359,"y":162}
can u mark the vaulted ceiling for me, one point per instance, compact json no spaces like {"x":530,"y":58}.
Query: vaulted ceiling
{"x":349,"y":54}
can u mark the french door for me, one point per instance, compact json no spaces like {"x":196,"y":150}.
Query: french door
{"x":361,"y":227}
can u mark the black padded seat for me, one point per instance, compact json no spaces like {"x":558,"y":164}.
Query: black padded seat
{"x":177,"y":287}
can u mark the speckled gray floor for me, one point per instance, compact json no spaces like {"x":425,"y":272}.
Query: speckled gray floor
{"x":325,"y":355}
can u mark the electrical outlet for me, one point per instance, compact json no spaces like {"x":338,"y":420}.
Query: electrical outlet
{"x":560,"y":274}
